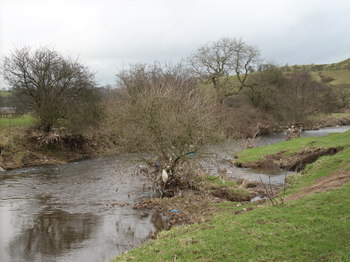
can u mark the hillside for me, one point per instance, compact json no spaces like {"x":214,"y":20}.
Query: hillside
{"x":333,"y":74}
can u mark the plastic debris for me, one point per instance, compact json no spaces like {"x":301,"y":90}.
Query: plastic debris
{"x":191,"y":154}
{"x":165,"y":176}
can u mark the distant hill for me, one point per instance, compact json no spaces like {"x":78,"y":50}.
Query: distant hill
{"x":332,"y":74}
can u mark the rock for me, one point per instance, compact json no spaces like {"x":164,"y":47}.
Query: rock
{"x":2,"y":170}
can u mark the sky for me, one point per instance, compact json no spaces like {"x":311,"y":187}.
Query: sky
{"x":109,"y":35}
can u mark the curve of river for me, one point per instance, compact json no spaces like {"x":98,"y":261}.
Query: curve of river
{"x":81,"y":211}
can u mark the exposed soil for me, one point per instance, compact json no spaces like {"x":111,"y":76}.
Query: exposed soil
{"x":324,"y":184}
{"x":30,"y":148}
{"x":32,"y":157}
{"x":329,"y":121}
{"x":195,"y":206}
{"x":293,"y":162}
{"x":187,"y":207}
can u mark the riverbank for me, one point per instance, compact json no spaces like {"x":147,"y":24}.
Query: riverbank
{"x":198,"y":205}
{"x":24,"y":147}
{"x":308,"y":222}
{"x":21,"y":147}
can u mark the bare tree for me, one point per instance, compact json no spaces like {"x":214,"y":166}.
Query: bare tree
{"x":342,"y":93}
{"x":164,"y":112}
{"x":55,"y":88}
{"x":217,"y":61}
{"x":300,"y":96}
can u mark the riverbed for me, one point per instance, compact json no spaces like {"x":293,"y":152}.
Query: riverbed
{"x":82,"y":211}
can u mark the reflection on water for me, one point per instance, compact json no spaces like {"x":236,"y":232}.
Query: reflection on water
{"x":52,"y":232}
{"x":74,"y":212}
{"x":81,"y":212}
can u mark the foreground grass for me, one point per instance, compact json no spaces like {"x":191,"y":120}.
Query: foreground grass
{"x":314,"y":228}
{"x":311,"y":229}
{"x":23,"y":121}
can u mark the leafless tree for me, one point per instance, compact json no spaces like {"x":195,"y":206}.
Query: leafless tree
{"x":300,"y":96}
{"x":163,"y":111}
{"x":342,"y":93}
{"x":217,"y":61}
{"x":54,"y":87}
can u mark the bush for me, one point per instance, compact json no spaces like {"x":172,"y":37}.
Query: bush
{"x":161,"y":110}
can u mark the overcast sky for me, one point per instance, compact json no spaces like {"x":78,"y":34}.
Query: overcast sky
{"x":109,"y":35}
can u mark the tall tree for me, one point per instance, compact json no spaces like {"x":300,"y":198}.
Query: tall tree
{"x":54,"y":87}
{"x":218,"y":60}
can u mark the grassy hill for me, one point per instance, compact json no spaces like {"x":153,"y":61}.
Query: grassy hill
{"x":333,"y":74}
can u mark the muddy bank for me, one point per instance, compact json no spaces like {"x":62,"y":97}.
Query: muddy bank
{"x":292,"y":162}
{"x":329,"y":121}
{"x":313,"y":123}
{"x":26,"y":148}
{"x":30,"y":158}
{"x":196,"y":206}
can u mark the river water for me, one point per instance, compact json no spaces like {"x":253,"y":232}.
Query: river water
{"x":82,"y":211}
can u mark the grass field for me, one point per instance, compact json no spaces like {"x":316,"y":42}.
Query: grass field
{"x":313,"y":228}
{"x":16,"y":122}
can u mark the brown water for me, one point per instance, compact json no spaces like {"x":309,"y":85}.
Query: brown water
{"x":79,"y":212}
{"x":71,"y":212}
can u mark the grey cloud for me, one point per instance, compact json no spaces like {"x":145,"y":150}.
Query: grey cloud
{"x":108,"y":35}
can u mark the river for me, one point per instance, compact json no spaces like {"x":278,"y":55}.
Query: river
{"x":82,"y":211}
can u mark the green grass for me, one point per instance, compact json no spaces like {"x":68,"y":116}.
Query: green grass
{"x":295,"y":145}
{"x":5,"y":93}
{"x":215,"y":181}
{"x":312,"y":229}
{"x":315,"y":228}
{"x":340,"y":115}
{"x":339,"y":71}
{"x":341,"y":77}
{"x":16,"y":122}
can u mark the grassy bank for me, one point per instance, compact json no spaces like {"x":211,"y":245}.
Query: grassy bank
{"x":295,"y":145}
{"x":315,"y":227}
